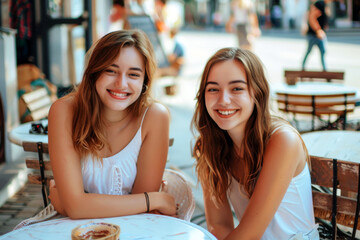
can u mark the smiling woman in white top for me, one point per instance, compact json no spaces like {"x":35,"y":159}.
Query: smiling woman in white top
{"x":108,"y":140}
{"x":247,"y":159}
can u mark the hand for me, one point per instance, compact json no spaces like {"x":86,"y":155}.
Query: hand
{"x":229,"y":26}
{"x":55,"y":200}
{"x":256,"y":32}
{"x":163,"y":202}
{"x":320,"y":34}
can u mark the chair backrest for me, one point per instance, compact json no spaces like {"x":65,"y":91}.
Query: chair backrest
{"x":35,"y":105}
{"x":41,"y":164}
{"x":327,"y":104}
{"x":292,"y":76}
{"x":180,"y":189}
{"x":341,"y":177}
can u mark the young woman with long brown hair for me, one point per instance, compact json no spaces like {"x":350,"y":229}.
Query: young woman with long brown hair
{"x":108,"y":140}
{"x":247,"y":158}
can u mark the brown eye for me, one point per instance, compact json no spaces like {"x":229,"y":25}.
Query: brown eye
{"x":109,"y":71}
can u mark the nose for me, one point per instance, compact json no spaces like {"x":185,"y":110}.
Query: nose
{"x":225,"y":97}
{"x":121,"y":81}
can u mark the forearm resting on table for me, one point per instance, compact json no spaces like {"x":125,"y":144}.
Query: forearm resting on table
{"x":90,"y":205}
{"x":220,"y":231}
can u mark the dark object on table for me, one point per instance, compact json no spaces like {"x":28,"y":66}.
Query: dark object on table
{"x":38,"y":128}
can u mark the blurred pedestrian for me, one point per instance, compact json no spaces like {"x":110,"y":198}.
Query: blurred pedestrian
{"x":243,"y":20}
{"x":168,"y":22}
{"x":117,"y":15}
{"x":317,"y":23}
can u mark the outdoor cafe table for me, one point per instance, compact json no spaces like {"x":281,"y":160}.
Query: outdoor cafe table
{"x":342,"y":145}
{"x":142,"y":226}
{"x":21,"y":134}
{"x":314,"y":88}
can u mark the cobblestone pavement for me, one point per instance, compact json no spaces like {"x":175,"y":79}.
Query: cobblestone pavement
{"x":24,"y":204}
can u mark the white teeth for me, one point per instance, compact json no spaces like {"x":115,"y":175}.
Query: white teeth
{"x":118,"y":94}
{"x":226,"y":112}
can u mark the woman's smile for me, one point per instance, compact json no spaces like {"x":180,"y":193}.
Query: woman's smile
{"x":118,"y":94}
{"x":226,"y":113}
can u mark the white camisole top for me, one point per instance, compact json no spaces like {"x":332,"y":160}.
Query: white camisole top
{"x":116,"y":174}
{"x":295,"y":214}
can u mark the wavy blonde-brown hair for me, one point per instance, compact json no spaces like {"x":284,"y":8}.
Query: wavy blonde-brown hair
{"x":214,"y":148}
{"x":88,"y":124}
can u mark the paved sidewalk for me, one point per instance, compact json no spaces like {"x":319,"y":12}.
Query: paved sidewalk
{"x":24,"y":204}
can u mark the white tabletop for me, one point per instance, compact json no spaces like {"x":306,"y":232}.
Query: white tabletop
{"x":21,"y":134}
{"x":142,"y":226}
{"x":314,"y":88}
{"x":342,"y":145}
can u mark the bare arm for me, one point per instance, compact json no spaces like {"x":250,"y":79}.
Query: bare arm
{"x":154,"y":150}
{"x":69,"y":192}
{"x":219,"y":219}
{"x":313,"y":22}
{"x":229,"y":26}
{"x":255,"y":25}
{"x":284,"y":158}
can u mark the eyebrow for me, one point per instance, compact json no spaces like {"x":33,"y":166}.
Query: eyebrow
{"x":132,"y":68}
{"x":232,"y":82}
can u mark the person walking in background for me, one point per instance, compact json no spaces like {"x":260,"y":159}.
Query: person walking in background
{"x":244,"y":22}
{"x":245,"y":157}
{"x":168,"y":22}
{"x":117,"y":15}
{"x":108,"y":140}
{"x":317,"y":23}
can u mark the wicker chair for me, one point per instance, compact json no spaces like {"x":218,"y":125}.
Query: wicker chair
{"x":180,"y":189}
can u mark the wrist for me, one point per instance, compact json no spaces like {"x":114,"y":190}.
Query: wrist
{"x":152,"y":201}
{"x":147,"y":200}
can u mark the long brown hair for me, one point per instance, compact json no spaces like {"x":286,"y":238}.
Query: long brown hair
{"x":214,"y":148}
{"x":88,"y":124}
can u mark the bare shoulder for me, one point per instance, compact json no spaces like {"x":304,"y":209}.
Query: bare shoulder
{"x":62,"y":108}
{"x":157,"y":119}
{"x":157,"y":112}
{"x":285,"y":136}
{"x":285,"y":147}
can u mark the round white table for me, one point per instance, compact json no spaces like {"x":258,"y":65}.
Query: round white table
{"x":21,"y":134}
{"x":314,"y":88}
{"x":342,"y":145}
{"x":142,"y":226}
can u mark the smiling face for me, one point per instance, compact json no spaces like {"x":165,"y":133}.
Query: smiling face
{"x":121,"y":83}
{"x":227,"y":96}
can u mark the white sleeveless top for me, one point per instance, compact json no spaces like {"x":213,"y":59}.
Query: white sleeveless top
{"x":295,"y":214}
{"x":116,"y":174}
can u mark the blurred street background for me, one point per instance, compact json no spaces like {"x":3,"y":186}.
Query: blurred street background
{"x":202,"y":32}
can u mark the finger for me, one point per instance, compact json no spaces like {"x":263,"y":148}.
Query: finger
{"x":164,"y":186}
{"x":52,"y":183}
